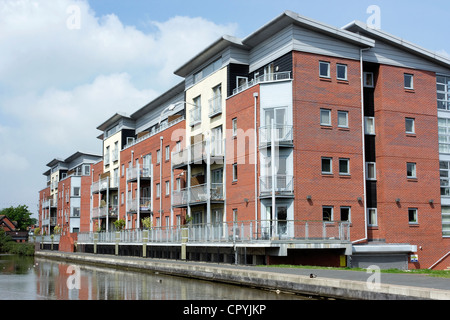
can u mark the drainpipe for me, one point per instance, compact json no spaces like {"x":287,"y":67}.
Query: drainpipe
{"x":255,"y":95}
{"x":160,"y":178}
{"x":363,"y":134}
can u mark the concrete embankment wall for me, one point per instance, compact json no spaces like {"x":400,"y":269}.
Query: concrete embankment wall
{"x":248,"y":276}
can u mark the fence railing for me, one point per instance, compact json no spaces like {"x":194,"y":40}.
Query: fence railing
{"x":232,"y":232}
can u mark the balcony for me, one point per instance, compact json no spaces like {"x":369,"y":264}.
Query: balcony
{"x":267,"y":77}
{"x":283,"y":135}
{"x":284,"y":186}
{"x":198,"y":153}
{"x":198,"y":194}
{"x":215,"y":106}
{"x":101,"y":185}
{"x":49,"y":203}
{"x":195,"y":116}
{"x":135,"y":172}
{"x":144,"y":205}
{"x":102,"y":212}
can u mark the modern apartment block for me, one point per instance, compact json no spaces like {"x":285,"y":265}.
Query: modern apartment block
{"x":65,"y":202}
{"x":316,"y":144}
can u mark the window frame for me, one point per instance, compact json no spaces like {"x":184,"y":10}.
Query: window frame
{"x":331,"y":213}
{"x":366,"y":126}
{"x":369,"y":222}
{"x":345,"y":71}
{"x":416,"y":216}
{"x":235,"y":173}
{"x":349,"y":213}
{"x":371,"y":83}
{"x":328,"y":64}
{"x":329,"y":117}
{"x":331,"y":165}
{"x":347,"y":160}
{"x":413,"y":125}
{"x":374,"y":170}
{"x":342,"y":112}
{"x":411,"y":77}
{"x":413,"y":171}
{"x":234,"y":127}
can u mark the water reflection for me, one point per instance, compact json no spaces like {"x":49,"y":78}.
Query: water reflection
{"x":28,"y":278}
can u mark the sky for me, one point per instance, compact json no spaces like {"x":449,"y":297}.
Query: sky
{"x":66,"y":66}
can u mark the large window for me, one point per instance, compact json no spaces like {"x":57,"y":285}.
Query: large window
{"x":444,"y":135}
{"x":445,"y":177}
{"x":443,"y":92}
{"x":445,"y":221}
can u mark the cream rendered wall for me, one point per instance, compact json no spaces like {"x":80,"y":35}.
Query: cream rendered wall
{"x":109,"y":167}
{"x":204,"y":88}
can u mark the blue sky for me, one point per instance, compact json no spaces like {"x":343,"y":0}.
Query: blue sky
{"x":57,"y":84}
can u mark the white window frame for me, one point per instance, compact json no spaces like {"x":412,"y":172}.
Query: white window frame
{"x":345,"y":70}
{"x":413,"y":120}
{"x":332,"y":213}
{"x":158,"y":190}
{"x":331,"y":165}
{"x":367,"y":83}
{"x":349,"y":213}
{"x":366,"y":120}
{"x":234,"y":126}
{"x":413,"y":171}
{"x":167,"y":188}
{"x":416,"y":216}
{"x":347,"y":160}
{"x":235,"y":175}
{"x":158,"y":156}
{"x":374,"y":223}
{"x":328,"y":64}
{"x":374,"y":164}
{"x":167,"y":153}
{"x":345,"y":113}
{"x":322,"y":123}
{"x":411,"y":76}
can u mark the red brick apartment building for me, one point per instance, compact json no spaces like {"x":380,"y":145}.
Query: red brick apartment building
{"x":313,"y":144}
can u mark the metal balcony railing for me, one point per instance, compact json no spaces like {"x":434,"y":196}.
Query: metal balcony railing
{"x":215,"y":106}
{"x":283,"y":134}
{"x":134,"y":172}
{"x":284,"y":185}
{"x":267,"y":77}
{"x":195,"y":116}
{"x":234,"y":232}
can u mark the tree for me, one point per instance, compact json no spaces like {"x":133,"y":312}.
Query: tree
{"x":21,"y":215}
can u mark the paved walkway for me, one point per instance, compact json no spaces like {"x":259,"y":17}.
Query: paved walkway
{"x":346,"y":283}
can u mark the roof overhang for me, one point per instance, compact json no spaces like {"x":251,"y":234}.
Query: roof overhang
{"x":209,"y":53}
{"x":113,"y":119}
{"x":359,"y":27}
{"x":288,"y":17}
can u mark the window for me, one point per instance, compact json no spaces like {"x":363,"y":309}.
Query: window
{"x":158,"y":190}
{"x":344,"y":166}
{"x":235,"y":172}
{"x":443,"y":92}
{"x":87,"y":170}
{"x":368,"y":80}
{"x":327,"y":213}
{"x":341,"y":71}
{"x":409,"y":81}
{"x":369,"y":125}
{"x":158,"y":156}
{"x":345,"y":214}
{"x":122,"y":198}
{"x":167,"y":153}
{"x":411,"y":170}
{"x":371,"y":171}
{"x":235,"y":215}
{"x":327,"y":166}
{"x":412,"y":215}
{"x":241,"y":81}
{"x":410,"y":125}
{"x":372,"y":217}
{"x":444,"y":135}
{"x":178,"y":185}
{"x":343,"y":119}
{"x":324,"y":69}
{"x":76,"y":212}
{"x":445,"y":177}
{"x":167,"y":188}
{"x":445,"y":221}
{"x":234,"y":126}
{"x":76,"y":191}
{"x":123,"y":170}
{"x":325,"y":117}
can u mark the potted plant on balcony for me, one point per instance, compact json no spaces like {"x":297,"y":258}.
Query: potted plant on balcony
{"x":147,"y":223}
{"x":119,"y":224}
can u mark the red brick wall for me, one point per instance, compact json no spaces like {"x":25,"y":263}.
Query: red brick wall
{"x":151,"y":145}
{"x":394,"y":149}
{"x":240,"y":150}
{"x":313,"y":141}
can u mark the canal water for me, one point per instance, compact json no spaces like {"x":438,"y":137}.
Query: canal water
{"x":30,"y":278}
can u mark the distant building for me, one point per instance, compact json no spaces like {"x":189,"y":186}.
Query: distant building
{"x":10,"y":228}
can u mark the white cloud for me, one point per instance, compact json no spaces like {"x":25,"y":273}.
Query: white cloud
{"x":58,"y":84}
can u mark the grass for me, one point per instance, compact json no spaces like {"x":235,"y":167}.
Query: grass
{"x":431,"y":273}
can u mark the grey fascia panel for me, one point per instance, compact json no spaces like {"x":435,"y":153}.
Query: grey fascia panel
{"x":206,"y":54}
{"x":358,"y":26}
{"x":113,"y":119}
{"x":289,"y":17}
{"x":384,"y":248}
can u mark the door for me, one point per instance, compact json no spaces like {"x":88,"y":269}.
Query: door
{"x":216,"y":141}
{"x":146,"y":165}
{"x":276,"y":226}
{"x":278,"y":116}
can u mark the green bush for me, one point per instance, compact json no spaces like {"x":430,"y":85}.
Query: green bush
{"x":7,"y":245}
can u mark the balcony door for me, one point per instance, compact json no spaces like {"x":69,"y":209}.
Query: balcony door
{"x":279,"y":117}
{"x":217,"y":141}
{"x":275,"y":225}
{"x":146,"y":165}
